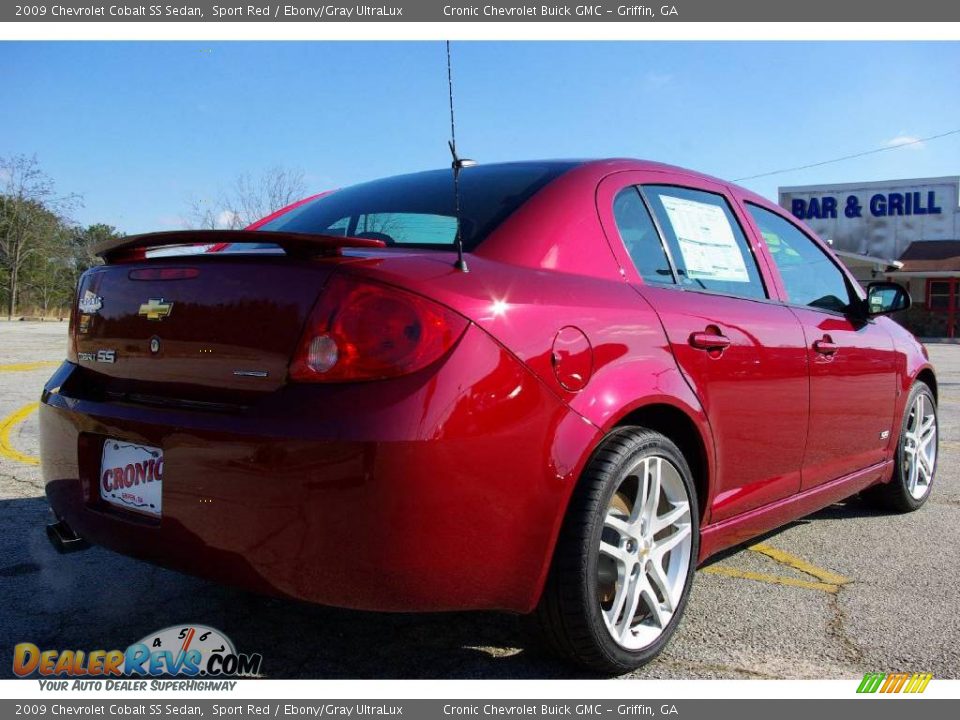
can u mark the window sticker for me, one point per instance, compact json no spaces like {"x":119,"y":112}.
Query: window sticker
{"x":707,"y":242}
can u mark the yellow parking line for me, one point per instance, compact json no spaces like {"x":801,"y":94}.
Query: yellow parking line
{"x":24,"y":367}
{"x":785,"y":558}
{"x":7,"y":425}
{"x":827,"y":581}
{"x":733,"y":572}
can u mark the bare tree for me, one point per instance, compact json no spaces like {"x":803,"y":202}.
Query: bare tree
{"x":247,"y":200}
{"x":254,"y":198}
{"x":29,"y":199}
{"x":201,"y":214}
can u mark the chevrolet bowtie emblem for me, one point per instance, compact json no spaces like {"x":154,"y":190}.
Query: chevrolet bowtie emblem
{"x":156,"y":309}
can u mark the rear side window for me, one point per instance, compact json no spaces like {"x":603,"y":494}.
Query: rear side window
{"x":640,"y":237}
{"x":809,"y":276}
{"x":399,"y":228}
{"x":709,"y":250}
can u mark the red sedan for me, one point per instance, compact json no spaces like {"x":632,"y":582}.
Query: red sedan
{"x":635,"y":367}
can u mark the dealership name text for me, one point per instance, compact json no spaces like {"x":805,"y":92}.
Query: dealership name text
{"x":634,"y":11}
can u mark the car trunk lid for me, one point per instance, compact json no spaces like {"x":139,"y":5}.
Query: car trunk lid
{"x":199,"y":325}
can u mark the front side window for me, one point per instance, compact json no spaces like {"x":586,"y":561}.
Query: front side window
{"x":709,"y":250}
{"x":640,"y":237}
{"x":809,"y":276}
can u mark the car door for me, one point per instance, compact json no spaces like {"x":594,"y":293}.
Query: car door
{"x":682,"y":245}
{"x":853,"y":364}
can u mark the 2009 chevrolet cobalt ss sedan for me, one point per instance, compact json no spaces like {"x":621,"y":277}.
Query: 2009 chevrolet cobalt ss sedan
{"x":640,"y":367}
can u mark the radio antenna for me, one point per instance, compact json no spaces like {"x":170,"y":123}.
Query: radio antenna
{"x":457,"y":165}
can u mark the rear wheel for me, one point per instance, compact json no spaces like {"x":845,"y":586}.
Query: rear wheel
{"x":916,"y":458}
{"x":625,"y":558}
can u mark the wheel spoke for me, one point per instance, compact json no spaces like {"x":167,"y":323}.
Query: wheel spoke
{"x":614,"y":552}
{"x":923,"y":465}
{"x":620,"y":596}
{"x":914,"y":472}
{"x":644,"y":487}
{"x":652,"y":498}
{"x":917,"y":413}
{"x":663,"y":546}
{"x":617,"y":524}
{"x":630,"y":607}
{"x":659,"y":578}
{"x":671,"y":517}
{"x":651,"y":601}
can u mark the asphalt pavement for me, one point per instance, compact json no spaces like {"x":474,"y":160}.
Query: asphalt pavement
{"x":846,"y":591}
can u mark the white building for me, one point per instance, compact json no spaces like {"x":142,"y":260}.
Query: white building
{"x":903,"y":230}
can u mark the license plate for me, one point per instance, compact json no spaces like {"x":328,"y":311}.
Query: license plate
{"x":131,"y":476}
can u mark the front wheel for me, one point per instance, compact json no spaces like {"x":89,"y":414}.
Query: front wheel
{"x":916,"y":458}
{"x":626,"y":555}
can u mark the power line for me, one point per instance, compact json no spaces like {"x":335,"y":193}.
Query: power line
{"x":850,"y":157}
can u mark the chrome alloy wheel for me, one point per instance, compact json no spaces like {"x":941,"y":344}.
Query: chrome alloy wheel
{"x":918,"y":446}
{"x":644,"y":553}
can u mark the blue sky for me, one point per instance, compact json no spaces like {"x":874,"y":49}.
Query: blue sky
{"x":139,"y":128}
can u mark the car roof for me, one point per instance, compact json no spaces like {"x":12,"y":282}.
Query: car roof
{"x":595,"y":169}
{"x":602,"y":166}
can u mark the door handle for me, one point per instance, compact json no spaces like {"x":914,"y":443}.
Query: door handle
{"x":826,"y":346}
{"x":709,"y":341}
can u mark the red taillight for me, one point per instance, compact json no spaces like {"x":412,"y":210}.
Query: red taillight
{"x":366,"y":331}
{"x":72,"y":334}
{"x":72,"y":326}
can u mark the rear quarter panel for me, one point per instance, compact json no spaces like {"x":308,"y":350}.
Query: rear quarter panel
{"x":549,"y":273}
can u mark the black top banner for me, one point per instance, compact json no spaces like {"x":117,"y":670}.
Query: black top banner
{"x":458,"y":11}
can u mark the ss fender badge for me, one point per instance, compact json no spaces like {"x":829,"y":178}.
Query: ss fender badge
{"x":90,"y":303}
{"x":156,"y":309}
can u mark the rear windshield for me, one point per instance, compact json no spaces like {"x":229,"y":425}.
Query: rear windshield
{"x":418,"y":210}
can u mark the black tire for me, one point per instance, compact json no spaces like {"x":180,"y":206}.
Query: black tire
{"x":895,"y":496}
{"x":568,"y":618}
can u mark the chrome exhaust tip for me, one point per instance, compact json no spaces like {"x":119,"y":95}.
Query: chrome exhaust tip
{"x":64,"y":539}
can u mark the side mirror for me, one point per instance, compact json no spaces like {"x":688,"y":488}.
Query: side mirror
{"x":884,"y":298}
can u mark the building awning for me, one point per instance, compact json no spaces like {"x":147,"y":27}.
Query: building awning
{"x":853,"y":260}
{"x":932,"y":258}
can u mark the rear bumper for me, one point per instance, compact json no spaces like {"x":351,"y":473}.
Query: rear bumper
{"x":440,"y":490}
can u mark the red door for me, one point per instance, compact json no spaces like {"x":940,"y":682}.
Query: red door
{"x":754,"y":391}
{"x":853,"y":366}
{"x":742,"y":353}
{"x":853,"y":386}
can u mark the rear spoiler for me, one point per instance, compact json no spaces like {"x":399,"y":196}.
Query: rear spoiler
{"x":295,"y":244}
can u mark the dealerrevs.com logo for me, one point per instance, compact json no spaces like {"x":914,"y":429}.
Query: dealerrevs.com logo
{"x":189,"y":651}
